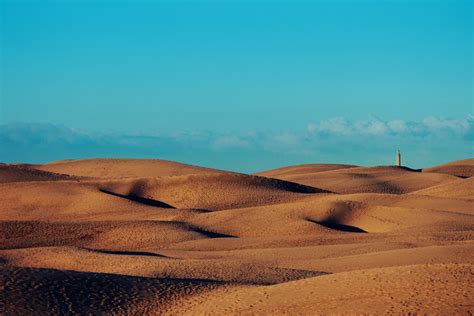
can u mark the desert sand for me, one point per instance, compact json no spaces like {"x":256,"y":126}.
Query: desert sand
{"x":131,"y":236}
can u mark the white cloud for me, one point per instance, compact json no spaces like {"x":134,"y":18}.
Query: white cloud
{"x":336,"y":138}
{"x":430,"y":126}
{"x":312,"y":128}
{"x":377,"y":128}
{"x":337,"y":125}
{"x":230,"y":141}
{"x":441,"y":124}
{"x":287,"y":139}
{"x":397,"y":126}
{"x":374,"y":126}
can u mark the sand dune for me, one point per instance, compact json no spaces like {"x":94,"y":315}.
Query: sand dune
{"x":394,"y":180}
{"x":461,"y":168}
{"x":157,"y":237}
{"x":213,"y":191}
{"x":122,"y":168}
{"x":153,"y":264}
{"x":462,"y":189}
{"x":334,"y":214}
{"x":110,"y":235}
{"x":302,"y":169}
{"x":24,"y":173}
{"x":164,"y":198}
{"x":70,"y":292}
{"x":399,"y":290}
{"x":75,"y":201}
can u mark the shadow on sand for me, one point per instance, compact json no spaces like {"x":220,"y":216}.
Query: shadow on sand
{"x":337,"y":226}
{"x":126,"y":252}
{"x":138,"y":199}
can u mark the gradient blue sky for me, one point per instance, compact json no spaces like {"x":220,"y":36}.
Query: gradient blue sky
{"x":236,"y":67}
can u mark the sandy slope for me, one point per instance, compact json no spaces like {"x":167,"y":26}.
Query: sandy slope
{"x":150,"y":197}
{"x":24,"y":173}
{"x":394,"y":180}
{"x":122,"y":168}
{"x":399,"y":290}
{"x":46,"y":292}
{"x":75,"y":201}
{"x":462,"y":189}
{"x":158,"y":237}
{"x":461,"y":168}
{"x":302,"y":169}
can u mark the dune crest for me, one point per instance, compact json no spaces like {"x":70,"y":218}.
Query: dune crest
{"x":380,"y":179}
{"x":460,"y":168}
{"x":25,"y":173}
{"x":122,"y":168}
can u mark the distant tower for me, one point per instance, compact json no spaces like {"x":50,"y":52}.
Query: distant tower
{"x":399,"y":159}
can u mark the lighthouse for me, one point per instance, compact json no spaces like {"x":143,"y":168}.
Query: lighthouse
{"x":399,"y":159}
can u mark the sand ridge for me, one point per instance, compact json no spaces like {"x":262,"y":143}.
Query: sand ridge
{"x":460,"y":168}
{"x":380,"y":179}
{"x":25,"y":173}
{"x":132,"y":236}
{"x":122,"y":168}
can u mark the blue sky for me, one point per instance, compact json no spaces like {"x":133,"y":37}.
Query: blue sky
{"x":251,"y":78}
